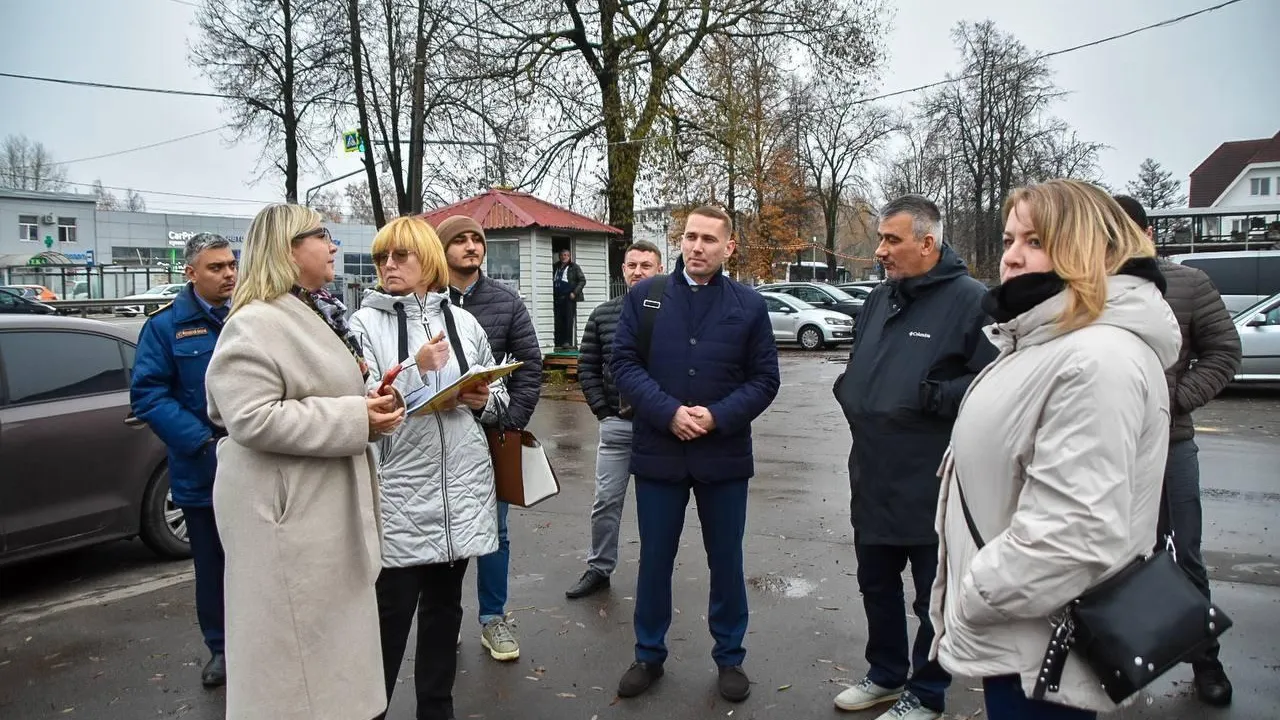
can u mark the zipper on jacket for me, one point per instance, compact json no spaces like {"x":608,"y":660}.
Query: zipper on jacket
{"x":444,"y":470}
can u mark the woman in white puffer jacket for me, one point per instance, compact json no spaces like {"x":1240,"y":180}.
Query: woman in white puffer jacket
{"x":438,"y":499}
{"x":1058,"y":450}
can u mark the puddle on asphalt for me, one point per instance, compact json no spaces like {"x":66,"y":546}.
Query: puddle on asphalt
{"x":788,"y":587}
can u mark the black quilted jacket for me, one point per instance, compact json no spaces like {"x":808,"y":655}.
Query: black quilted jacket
{"x":594,"y":354}
{"x":1208,"y":337}
{"x":506,"y":321}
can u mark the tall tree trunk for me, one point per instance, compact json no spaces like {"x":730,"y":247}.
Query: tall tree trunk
{"x":362,"y":109}
{"x":290,"y":119}
{"x":417,"y":116}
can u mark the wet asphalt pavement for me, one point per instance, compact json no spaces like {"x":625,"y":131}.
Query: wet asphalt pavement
{"x":110,"y":633}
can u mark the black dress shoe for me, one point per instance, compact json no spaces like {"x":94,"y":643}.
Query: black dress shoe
{"x":591,"y":582}
{"x":1212,"y":685}
{"x":638,"y":678}
{"x":215,"y":672}
{"x":734,"y":684}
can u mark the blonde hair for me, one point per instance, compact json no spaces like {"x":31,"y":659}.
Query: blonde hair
{"x":1087,"y":236}
{"x":267,"y":268}
{"x":416,"y":236}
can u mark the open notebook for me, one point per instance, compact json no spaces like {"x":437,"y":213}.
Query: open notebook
{"x":422,"y":402}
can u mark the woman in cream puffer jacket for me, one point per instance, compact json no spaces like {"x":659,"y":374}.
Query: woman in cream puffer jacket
{"x":1059,"y":446}
{"x":439,"y":505}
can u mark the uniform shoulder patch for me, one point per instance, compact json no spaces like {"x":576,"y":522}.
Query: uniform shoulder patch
{"x":160,"y":309}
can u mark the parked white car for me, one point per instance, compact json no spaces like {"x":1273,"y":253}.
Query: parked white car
{"x":795,"y":320}
{"x":159,"y":292}
{"x":1259,"y":328}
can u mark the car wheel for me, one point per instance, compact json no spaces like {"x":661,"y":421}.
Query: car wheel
{"x":164,"y":528}
{"x":810,"y":338}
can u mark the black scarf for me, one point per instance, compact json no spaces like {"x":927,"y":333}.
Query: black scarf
{"x":334,"y":314}
{"x":1008,"y":300}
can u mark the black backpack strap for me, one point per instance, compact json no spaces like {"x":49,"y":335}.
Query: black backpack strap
{"x":454,"y":340}
{"x":649,"y":315}
{"x":402,"y":330}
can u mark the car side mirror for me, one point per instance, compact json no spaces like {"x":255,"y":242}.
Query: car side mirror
{"x":788,"y":310}
{"x":1257,"y":320}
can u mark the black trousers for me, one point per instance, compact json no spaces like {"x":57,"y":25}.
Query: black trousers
{"x":436,"y":591}
{"x":566,"y":313}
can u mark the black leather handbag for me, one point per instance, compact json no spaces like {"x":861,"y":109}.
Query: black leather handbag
{"x":1132,"y":627}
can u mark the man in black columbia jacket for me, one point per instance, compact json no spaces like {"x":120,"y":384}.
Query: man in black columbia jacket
{"x":506,"y":321}
{"x":918,"y":344}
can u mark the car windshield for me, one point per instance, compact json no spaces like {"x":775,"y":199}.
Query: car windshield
{"x":1256,"y":307}
{"x":159,"y":290}
{"x":839,"y":295}
{"x":794,"y":302}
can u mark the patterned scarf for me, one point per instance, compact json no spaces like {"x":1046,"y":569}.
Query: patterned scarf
{"x":334,"y":314}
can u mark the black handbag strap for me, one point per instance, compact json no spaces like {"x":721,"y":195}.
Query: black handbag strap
{"x":452,"y":328}
{"x":968,"y":518}
{"x":1165,"y":520}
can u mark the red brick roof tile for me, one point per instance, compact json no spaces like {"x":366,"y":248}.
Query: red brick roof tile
{"x":500,"y":209}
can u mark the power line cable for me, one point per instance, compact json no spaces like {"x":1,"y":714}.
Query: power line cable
{"x":246,"y":201}
{"x":141,"y":147}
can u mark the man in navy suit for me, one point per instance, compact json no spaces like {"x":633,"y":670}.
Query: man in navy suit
{"x":711,"y":368}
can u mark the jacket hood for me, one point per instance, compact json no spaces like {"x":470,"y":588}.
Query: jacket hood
{"x":414,"y":305}
{"x":1133,"y":303}
{"x":949,"y":267}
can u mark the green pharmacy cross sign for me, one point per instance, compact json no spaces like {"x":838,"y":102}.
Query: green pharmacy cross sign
{"x":352,"y":142}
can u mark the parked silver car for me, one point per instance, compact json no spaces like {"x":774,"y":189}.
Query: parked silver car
{"x":1259,"y":328}
{"x":795,"y":320}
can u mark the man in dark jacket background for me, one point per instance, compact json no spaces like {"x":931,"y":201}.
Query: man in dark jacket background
{"x":168,"y":394}
{"x":1209,"y":338}
{"x":641,"y":261}
{"x":918,"y":344}
{"x":568,"y":281}
{"x":506,"y":321}
{"x":710,"y":369}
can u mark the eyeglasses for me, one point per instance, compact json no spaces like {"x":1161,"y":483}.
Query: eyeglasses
{"x":320,"y":232}
{"x":401,"y":257}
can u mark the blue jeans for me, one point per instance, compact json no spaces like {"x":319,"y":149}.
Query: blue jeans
{"x":1005,"y":700}
{"x":491,"y":573}
{"x":1182,"y":486}
{"x":722,"y":510}
{"x":880,"y":570}
{"x":210,"y":562}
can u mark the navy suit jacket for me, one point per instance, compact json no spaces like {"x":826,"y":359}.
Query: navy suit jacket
{"x":716,"y":350}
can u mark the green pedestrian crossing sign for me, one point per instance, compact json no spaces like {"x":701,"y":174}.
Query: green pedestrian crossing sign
{"x":352,"y":142}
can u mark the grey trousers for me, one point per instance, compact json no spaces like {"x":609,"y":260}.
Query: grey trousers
{"x":613,"y":472}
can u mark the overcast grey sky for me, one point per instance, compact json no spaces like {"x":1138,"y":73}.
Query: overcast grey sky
{"x":1171,"y":93}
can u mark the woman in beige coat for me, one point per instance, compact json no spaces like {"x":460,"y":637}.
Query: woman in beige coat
{"x":295,"y":495}
{"x":1059,"y":446}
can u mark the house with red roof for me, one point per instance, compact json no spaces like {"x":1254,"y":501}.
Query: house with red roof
{"x":524,"y":236}
{"x":1238,"y":174}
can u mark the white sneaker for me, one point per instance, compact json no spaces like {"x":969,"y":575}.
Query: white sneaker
{"x":866,"y":694}
{"x":908,"y":707}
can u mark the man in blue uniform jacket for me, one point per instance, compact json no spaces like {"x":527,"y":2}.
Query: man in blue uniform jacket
{"x":711,"y":368}
{"x":168,"y":394}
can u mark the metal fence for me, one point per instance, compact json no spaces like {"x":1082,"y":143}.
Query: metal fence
{"x":78,"y":282}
